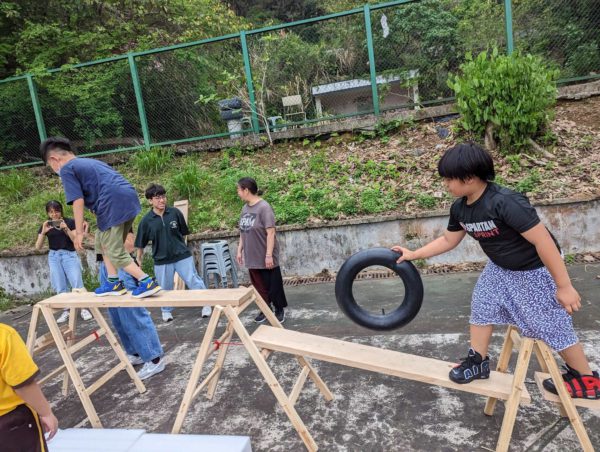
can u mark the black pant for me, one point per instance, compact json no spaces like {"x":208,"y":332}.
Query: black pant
{"x":269,"y":284}
{"x":21,"y":431}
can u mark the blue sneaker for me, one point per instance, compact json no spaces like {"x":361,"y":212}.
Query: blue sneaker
{"x":109,"y":289}
{"x":146,"y":288}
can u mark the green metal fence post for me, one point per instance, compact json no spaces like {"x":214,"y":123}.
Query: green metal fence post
{"x":509,"y":26}
{"x":139,"y":99}
{"x":37,"y":109}
{"x":249,"y":83}
{"x":373,"y":70}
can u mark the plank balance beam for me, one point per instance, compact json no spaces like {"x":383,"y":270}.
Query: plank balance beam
{"x":501,"y":385}
{"x":64,"y":338}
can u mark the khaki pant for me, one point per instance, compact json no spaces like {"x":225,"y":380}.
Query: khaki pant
{"x":110,"y":244}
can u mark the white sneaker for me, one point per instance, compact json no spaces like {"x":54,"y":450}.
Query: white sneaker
{"x":151,"y":369}
{"x":63,"y":317}
{"x":206,"y":311}
{"x":135,"y":360}
{"x":167,"y":316}
{"x":85,"y":314}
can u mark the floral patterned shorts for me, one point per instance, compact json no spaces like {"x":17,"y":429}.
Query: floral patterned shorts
{"x":525,"y":299}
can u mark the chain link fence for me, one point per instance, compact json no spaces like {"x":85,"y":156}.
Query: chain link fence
{"x":364,"y":61}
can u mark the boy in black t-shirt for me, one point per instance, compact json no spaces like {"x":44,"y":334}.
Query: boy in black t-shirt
{"x":525,"y":283}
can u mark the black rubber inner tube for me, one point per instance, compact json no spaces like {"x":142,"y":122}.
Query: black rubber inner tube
{"x":413,"y":289}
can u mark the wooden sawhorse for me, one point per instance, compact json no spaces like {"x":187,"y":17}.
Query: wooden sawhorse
{"x":267,"y":339}
{"x":66,"y":342}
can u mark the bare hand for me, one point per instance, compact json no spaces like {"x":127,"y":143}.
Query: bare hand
{"x":269,"y":262}
{"x":407,"y":255}
{"x":569,"y":298}
{"x":46,"y":227}
{"x":64,"y":226}
{"x":240,"y":258}
{"x":78,"y":242}
{"x":49,"y":424}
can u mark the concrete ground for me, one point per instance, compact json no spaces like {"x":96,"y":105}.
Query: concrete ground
{"x":370,"y":412}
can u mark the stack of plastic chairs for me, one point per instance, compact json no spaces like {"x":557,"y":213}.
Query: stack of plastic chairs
{"x":217,"y":261}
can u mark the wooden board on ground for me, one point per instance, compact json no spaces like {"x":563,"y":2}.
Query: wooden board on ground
{"x":390,"y":362}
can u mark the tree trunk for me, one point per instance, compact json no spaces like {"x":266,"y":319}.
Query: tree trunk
{"x":490,"y":142}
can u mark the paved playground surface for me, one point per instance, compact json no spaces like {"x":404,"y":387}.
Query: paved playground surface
{"x":370,"y":412}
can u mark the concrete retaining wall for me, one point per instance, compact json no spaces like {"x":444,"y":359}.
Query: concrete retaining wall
{"x":309,"y":250}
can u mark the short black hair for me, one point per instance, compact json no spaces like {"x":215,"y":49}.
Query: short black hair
{"x":54,"y":205}
{"x":250,"y":184}
{"x":52,"y":143}
{"x":155,"y":190}
{"x":467,"y":160}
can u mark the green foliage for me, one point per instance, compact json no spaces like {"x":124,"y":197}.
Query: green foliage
{"x":426,"y":201}
{"x":513,"y":93}
{"x":187,"y":183}
{"x":529,"y":183}
{"x":152,"y":161}
{"x":15,"y":185}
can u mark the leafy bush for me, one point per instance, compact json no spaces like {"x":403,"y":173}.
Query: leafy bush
{"x":152,"y":161}
{"x":15,"y":185}
{"x":512,"y":95}
{"x":187,"y":183}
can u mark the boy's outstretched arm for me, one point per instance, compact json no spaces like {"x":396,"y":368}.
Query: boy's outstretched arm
{"x":441,"y":245}
{"x":550,"y":256}
{"x":78,"y":208}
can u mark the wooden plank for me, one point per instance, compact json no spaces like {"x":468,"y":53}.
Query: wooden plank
{"x":71,"y":368}
{"x":544,"y":368}
{"x":565,"y":398}
{"x":175,"y":298}
{"x":584,"y":403}
{"x":51,"y":374}
{"x":46,"y":340}
{"x":104,"y":378}
{"x":299,"y":385}
{"x":87,"y":340}
{"x":227,"y":335}
{"x":502,"y":366}
{"x":518,"y":387}
{"x":32,"y":332}
{"x":411,"y":367}
{"x":270,"y":379}
{"x":211,"y":375}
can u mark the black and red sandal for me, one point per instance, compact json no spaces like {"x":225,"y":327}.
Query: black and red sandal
{"x":578,"y":386}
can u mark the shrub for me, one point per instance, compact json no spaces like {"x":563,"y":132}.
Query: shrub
{"x":187,"y":183}
{"x":511,"y":95}
{"x":152,"y":161}
{"x":15,"y":185}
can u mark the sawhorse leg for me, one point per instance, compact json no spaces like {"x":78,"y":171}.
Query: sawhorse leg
{"x":71,"y":368}
{"x":265,"y":370}
{"x":192,"y":389}
{"x":565,"y":398}
{"x":312,"y":374}
{"x":512,"y":404}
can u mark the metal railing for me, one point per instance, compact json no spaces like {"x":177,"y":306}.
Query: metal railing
{"x":364,"y":61}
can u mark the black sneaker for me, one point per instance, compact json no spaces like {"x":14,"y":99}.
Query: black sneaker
{"x":578,"y":386}
{"x":473,"y":367}
{"x":280,"y":314}
{"x":260,"y":318}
